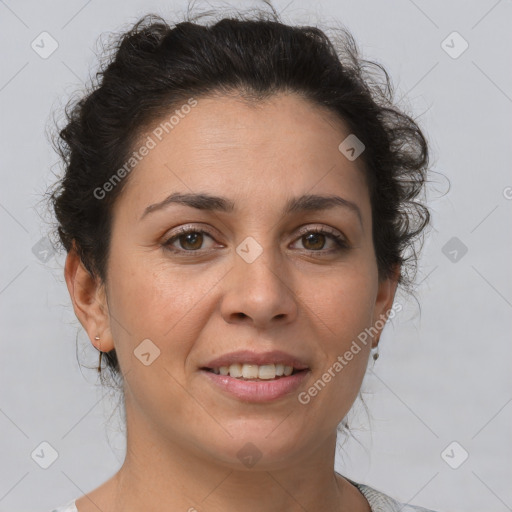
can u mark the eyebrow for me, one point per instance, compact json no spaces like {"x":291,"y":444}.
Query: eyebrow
{"x":308,"y":202}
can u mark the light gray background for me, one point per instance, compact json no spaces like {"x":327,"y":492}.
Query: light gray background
{"x":442,"y":376}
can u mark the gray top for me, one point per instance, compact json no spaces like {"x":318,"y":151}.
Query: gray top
{"x":379,"y":502}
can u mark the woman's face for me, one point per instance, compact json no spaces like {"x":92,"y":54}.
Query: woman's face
{"x":252,"y":277}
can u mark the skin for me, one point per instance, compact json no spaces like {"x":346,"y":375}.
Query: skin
{"x":183,"y":435}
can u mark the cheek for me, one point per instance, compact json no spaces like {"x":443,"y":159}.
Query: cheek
{"x":157,"y":302}
{"x":153,"y":302}
{"x":148,"y":294}
{"x":341,"y":308}
{"x":342,"y":302}
{"x":343,"y":314}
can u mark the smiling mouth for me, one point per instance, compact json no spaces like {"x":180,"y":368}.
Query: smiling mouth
{"x":256,"y":383}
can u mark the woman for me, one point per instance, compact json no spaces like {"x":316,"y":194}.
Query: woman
{"x":236,"y":206}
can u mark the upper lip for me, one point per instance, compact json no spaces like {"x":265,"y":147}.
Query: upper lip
{"x":261,"y":358}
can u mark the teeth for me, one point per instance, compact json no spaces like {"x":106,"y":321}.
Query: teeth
{"x":236,"y":370}
{"x":249,"y":371}
{"x":267,"y":372}
{"x":253,"y":371}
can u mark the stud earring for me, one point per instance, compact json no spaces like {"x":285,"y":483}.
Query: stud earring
{"x":376,"y":353}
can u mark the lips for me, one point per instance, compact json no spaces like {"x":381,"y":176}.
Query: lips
{"x":257,"y":391}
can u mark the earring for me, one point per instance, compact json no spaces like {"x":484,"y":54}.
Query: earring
{"x":376,"y":353}
{"x":101,"y":355}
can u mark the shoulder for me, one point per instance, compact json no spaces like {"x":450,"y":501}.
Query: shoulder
{"x":68,"y":507}
{"x":380,"y":502}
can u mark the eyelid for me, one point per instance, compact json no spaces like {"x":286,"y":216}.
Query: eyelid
{"x":307,"y":228}
{"x":185,"y":228}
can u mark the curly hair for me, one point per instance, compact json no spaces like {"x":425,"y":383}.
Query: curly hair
{"x":154,"y":67}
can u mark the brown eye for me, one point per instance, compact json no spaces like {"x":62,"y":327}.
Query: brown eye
{"x":315,"y":241}
{"x":188,"y":240}
{"x":192,"y":240}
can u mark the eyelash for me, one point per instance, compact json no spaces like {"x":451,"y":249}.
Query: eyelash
{"x":341,"y":244}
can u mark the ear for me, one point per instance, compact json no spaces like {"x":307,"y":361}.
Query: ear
{"x":89,"y":301}
{"x":384,"y":303}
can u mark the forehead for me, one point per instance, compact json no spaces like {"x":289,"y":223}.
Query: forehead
{"x":273,"y":149}
{"x":229,"y":122}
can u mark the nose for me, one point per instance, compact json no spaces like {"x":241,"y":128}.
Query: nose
{"x":259,"y":293}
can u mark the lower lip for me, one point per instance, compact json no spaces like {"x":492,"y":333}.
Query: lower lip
{"x":258,"y":390}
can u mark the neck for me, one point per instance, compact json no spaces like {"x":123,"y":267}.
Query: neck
{"x":159,"y":473}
